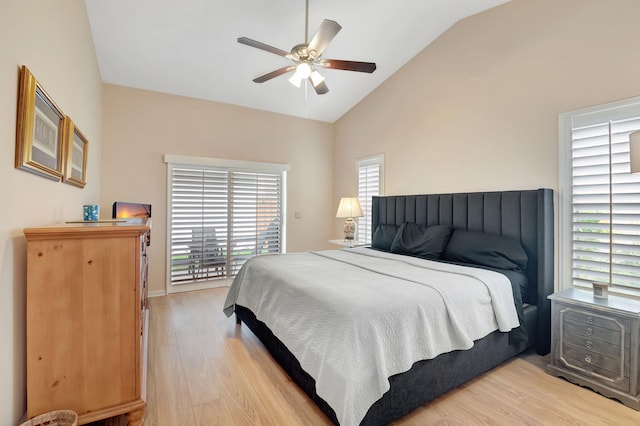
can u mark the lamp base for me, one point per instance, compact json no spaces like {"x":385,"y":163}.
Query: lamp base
{"x":349,"y":229}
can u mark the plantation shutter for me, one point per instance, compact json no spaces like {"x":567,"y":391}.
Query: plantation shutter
{"x":594,"y":204}
{"x":369,"y":185}
{"x":220,"y":217}
{"x":199,"y":205}
{"x":256,"y":216}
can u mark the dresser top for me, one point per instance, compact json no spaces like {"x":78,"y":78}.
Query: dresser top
{"x":77,"y":229}
{"x":577,"y":296}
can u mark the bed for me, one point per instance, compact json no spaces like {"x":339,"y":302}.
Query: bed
{"x":522,"y":216}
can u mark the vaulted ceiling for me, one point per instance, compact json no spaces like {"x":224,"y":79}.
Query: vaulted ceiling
{"x":190,"y":48}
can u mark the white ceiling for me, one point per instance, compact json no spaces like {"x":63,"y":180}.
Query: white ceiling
{"x":189,"y":47}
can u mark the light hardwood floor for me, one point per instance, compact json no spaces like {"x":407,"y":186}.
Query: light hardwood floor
{"x":206,"y":370}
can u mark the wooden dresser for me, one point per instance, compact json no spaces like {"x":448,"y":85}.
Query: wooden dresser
{"x":87,"y":319}
{"x":596,"y":343}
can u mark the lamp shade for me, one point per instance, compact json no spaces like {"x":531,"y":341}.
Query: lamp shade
{"x":634,"y":151}
{"x":349,"y":207}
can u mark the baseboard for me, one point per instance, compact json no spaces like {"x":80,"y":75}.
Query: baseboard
{"x":156,"y":293}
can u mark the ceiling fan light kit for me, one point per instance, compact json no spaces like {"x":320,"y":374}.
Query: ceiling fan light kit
{"x":306,"y":57}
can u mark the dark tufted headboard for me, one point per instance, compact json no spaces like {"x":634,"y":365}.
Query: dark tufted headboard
{"x":523,"y":215}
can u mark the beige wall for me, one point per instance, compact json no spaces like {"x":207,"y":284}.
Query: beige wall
{"x":54,"y":41}
{"x":141,"y":126}
{"x":478,"y":109}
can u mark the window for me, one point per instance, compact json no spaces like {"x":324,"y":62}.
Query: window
{"x":600,"y":215}
{"x":220,"y":213}
{"x":370,"y":183}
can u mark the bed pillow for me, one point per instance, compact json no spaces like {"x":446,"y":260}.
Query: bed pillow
{"x":421,"y":241}
{"x":491,"y":250}
{"x":383,"y":236}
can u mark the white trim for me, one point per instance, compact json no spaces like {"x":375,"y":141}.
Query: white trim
{"x":565,"y":208}
{"x":566,"y":122}
{"x":222,"y":282}
{"x":253,"y":166}
{"x":156,"y":293}
{"x":283,"y":206}
{"x":611,"y":111}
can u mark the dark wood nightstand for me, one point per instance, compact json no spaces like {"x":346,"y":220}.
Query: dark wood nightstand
{"x":595,"y":343}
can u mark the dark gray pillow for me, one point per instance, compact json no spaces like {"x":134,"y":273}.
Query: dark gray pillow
{"x":492,"y":250}
{"x":383,"y":236}
{"x":421,"y":241}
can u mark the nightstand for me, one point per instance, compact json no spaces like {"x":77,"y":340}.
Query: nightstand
{"x":348,"y":243}
{"x":595,"y":343}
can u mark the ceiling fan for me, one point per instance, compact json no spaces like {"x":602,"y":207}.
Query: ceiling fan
{"x":306,"y":56}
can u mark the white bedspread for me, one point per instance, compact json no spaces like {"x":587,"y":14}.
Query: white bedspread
{"x":355,"y":317}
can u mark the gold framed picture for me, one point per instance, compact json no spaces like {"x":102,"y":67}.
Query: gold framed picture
{"x":76,"y":154}
{"x":39,"y":143}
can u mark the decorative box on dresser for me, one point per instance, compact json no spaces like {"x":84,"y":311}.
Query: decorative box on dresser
{"x":87,"y":319}
{"x":595,"y":343}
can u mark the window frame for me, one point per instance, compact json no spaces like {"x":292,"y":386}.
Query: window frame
{"x":566,"y":122}
{"x":230,"y":166}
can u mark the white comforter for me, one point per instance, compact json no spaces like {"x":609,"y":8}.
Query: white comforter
{"x":355,"y":317}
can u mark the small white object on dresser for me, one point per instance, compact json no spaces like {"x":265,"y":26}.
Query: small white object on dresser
{"x":595,"y":343}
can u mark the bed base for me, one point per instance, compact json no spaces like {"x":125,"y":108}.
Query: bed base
{"x":424,"y":382}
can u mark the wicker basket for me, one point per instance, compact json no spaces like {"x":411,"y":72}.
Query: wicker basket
{"x":54,"y":418}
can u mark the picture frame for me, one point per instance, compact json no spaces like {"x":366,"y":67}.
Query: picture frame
{"x":76,"y":154}
{"x":600,"y":290}
{"x":39,"y":130}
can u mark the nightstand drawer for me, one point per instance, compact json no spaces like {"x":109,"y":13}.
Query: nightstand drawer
{"x":593,"y":345}
{"x":570,"y":327}
{"x":608,"y":322}
{"x":615,"y":370}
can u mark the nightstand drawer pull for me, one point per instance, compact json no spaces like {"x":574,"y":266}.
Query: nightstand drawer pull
{"x":589,"y":344}
{"x":587,"y":358}
{"x":590,"y":320}
{"x":589,"y":331}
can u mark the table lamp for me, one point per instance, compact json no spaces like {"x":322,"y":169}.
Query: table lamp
{"x":349,"y":208}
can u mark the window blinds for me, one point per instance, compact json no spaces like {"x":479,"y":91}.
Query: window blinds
{"x":369,"y":179}
{"x":256,"y":216}
{"x":591,"y":236}
{"x":220,"y":218}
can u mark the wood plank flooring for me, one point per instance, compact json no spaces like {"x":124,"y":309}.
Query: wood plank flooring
{"x":206,"y":370}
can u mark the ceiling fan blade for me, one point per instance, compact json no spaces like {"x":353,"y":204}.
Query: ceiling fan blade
{"x":337,"y":64}
{"x":265,"y":47}
{"x":273,"y":74}
{"x":321,"y":88}
{"x":323,"y":36}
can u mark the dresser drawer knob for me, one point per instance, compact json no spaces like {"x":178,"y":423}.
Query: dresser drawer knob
{"x":589,"y":344}
{"x":589,"y":331}
{"x":587,"y":358}
{"x":590,"y":320}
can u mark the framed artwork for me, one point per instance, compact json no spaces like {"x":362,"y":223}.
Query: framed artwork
{"x":76,"y":148}
{"x":39,"y":143}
